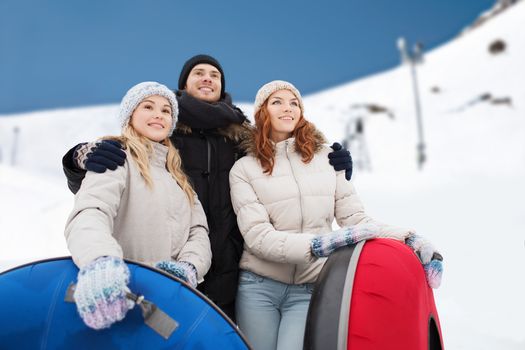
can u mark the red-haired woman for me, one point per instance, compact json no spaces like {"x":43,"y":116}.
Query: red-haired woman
{"x":286,"y":196}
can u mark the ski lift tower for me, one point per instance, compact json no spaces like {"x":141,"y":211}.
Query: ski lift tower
{"x":413,"y":58}
{"x":355,"y":140}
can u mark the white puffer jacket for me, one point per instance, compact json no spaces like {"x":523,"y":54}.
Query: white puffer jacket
{"x":279,"y":214}
{"x":116,"y":214}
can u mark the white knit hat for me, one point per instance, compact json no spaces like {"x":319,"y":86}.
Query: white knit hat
{"x":138,"y":93}
{"x":267,"y":89}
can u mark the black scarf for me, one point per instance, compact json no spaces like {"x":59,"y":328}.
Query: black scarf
{"x":198,"y":114}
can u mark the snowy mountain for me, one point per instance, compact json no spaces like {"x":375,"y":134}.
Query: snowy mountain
{"x":467,"y":198}
{"x":498,"y":7}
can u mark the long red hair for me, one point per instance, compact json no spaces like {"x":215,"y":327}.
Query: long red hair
{"x":264,"y":149}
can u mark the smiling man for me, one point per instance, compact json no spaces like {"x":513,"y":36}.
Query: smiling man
{"x":207,"y":135}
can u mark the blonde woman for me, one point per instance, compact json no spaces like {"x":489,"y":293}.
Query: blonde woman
{"x":145,"y":210}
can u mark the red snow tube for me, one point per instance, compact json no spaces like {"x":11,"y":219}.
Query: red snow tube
{"x":373,"y":296}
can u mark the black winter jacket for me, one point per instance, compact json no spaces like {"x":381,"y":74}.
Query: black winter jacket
{"x":207,"y":136}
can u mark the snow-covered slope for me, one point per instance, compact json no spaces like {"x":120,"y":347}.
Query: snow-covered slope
{"x":462,"y":71}
{"x":37,"y":141}
{"x":32,"y":217}
{"x":467,"y":199}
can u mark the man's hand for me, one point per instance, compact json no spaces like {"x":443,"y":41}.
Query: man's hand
{"x":341,"y":159}
{"x":99,"y":156}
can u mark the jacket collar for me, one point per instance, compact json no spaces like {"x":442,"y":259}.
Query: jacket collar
{"x":159,"y":155}
{"x":284,"y":146}
{"x":220,"y":117}
{"x":234,"y":132}
{"x":248,"y":144}
{"x":207,"y":115}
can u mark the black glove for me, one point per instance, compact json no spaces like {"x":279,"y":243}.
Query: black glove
{"x":341,"y":159}
{"x":99,"y":156}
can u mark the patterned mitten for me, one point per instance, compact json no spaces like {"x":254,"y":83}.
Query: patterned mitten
{"x":434,"y":272}
{"x":182,"y":269}
{"x":423,"y":248}
{"x":100,"y":293}
{"x":324,"y":245}
{"x":430,"y":258}
{"x":99,"y":156}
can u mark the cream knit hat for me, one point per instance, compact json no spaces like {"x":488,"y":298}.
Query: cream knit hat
{"x":267,"y":89}
{"x":138,"y":93}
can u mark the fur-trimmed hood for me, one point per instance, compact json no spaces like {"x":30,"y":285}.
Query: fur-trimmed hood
{"x":248,"y":143}
{"x":235,"y":132}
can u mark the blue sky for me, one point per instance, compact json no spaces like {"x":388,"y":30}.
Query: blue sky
{"x":66,"y":53}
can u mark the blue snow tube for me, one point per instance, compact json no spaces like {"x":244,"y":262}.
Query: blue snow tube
{"x":34,"y":314}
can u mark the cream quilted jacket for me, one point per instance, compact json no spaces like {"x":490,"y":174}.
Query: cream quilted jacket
{"x":116,"y":214}
{"x":279,"y":214}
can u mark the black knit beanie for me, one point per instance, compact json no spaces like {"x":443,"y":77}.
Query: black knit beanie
{"x":195,"y":60}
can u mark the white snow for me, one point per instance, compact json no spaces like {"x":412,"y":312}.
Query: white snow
{"x":467,"y":199}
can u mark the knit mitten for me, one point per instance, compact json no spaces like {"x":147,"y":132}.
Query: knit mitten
{"x":99,"y":156}
{"x":430,"y":258}
{"x":182,"y":269}
{"x":324,"y":245}
{"x":433,"y":273}
{"x":341,"y":159}
{"x":423,"y":248}
{"x":100,"y":293}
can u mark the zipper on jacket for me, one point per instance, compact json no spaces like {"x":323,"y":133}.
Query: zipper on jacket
{"x":206,"y":173}
{"x":209,"y":159}
{"x":300,"y":202}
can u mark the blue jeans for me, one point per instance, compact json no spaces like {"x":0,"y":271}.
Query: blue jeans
{"x":271,"y":314}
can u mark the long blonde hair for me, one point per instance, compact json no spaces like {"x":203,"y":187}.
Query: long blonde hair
{"x":141,"y":148}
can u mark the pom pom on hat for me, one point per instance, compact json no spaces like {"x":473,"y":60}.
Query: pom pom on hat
{"x":138,"y":93}
{"x":267,"y":89}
